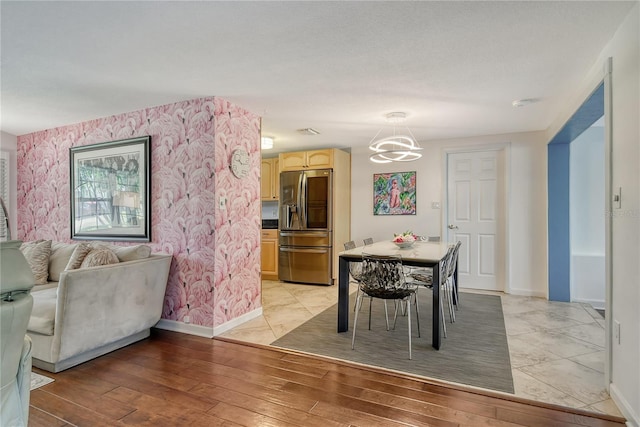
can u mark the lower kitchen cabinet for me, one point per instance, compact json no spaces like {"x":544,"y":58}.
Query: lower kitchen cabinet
{"x":269,"y":250}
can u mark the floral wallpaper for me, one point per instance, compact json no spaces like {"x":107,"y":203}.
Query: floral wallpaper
{"x":215,"y":273}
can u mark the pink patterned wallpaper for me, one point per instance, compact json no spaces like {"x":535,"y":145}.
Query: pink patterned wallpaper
{"x":215,"y":274}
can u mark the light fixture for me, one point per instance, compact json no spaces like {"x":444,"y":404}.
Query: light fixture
{"x":266,"y":142}
{"x":394,"y":148}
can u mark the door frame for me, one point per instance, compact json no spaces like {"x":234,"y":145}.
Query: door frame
{"x":503,"y":148}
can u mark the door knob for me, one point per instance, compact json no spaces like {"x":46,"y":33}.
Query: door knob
{"x":453,"y":227}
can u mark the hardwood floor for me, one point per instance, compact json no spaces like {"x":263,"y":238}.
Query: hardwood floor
{"x":174,"y":379}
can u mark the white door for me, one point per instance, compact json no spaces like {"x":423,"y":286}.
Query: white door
{"x":475,"y":216}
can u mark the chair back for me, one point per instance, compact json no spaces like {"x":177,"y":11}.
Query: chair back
{"x":451,"y":265}
{"x":444,"y":265}
{"x":383,"y":277}
{"x":349,"y":245}
{"x":433,"y":238}
{"x":368,"y":241}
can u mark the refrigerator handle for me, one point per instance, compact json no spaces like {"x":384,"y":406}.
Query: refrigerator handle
{"x":302,"y":200}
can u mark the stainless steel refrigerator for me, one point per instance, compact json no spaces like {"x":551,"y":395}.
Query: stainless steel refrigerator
{"x":305,"y":224}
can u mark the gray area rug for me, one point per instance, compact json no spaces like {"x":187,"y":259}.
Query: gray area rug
{"x":475,"y":351}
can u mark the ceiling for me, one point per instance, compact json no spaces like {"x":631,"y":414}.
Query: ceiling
{"x":338,"y":67}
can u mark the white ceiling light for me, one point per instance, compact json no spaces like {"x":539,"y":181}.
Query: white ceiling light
{"x":266,"y":142}
{"x":394,"y":148}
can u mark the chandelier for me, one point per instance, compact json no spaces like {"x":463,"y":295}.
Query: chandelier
{"x":396,"y":147}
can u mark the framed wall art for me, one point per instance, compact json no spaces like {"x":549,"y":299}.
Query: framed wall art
{"x":394,"y":193}
{"x":110,"y":190}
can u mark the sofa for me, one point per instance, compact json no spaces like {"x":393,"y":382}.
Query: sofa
{"x":15,"y":346}
{"x":91,"y":298}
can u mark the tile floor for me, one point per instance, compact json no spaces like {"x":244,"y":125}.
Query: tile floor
{"x":556,"y":349}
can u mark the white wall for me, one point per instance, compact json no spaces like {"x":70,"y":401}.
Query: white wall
{"x":526,"y":210}
{"x":9,"y":143}
{"x":624,"y":49}
{"x":587,"y":210}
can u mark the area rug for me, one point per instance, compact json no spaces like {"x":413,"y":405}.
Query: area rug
{"x":475,"y":351}
{"x":38,"y":380}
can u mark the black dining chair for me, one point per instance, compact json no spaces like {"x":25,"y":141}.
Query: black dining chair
{"x":355,"y":269}
{"x":383,"y":278}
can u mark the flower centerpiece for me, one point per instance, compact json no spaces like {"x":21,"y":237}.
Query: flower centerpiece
{"x":405,"y":239}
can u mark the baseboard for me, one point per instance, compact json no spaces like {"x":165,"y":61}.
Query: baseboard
{"x":599,"y":304}
{"x":186,"y":328}
{"x":527,"y":293}
{"x":625,"y":407}
{"x":220,"y":329}
{"x":205,"y":331}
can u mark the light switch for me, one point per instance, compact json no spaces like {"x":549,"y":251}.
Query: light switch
{"x":435,"y":205}
{"x":617,"y":198}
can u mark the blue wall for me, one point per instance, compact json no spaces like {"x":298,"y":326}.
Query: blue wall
{"x":558,"y":155}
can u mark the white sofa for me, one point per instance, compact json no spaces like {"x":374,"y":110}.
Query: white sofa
{"x":90,"y":311}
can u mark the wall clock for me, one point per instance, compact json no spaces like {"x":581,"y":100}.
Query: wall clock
{"x":240,"y":163}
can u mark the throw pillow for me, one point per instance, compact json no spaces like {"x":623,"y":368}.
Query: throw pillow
{"x":100,"y":256}
{"x":132,"y":253}
{"x":59,"y":258}
{"x":37,"y":255}
{"x":78,"y":255}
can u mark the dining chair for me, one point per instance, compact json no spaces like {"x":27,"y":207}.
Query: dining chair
{"x":383,"y":278}
{"x":451,"y":268}
{"x":355,"y":269}
{"x":368,"y":241}
{"x":424,"y":277}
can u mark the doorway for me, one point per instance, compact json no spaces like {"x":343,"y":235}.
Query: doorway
{"x":476,"y":215}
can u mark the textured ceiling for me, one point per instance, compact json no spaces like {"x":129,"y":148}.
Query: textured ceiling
{"x":338,"y":67}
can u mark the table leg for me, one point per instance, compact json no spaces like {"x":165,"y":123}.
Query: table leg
{"x":435,"y":306}
{"x":343,"y":295}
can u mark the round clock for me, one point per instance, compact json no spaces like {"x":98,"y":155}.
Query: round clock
{"x":240,"y":163}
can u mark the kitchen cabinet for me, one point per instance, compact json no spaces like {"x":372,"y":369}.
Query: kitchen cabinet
{"x":270,"y":179}
{"x":269,"y":254}
{"x":301,"y":160}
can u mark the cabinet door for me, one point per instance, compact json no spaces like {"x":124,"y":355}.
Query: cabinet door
{"x":293,"y":161}
{"x":266,"y":179}
{"x":269,"y":253}
{"x":320,"y":159}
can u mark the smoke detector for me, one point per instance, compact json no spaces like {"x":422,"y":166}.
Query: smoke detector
{"x":308,"y":131}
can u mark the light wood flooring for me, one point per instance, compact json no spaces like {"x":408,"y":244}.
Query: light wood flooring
{"x":174,"y":379}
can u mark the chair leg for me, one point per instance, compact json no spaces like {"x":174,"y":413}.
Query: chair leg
{"x":409,"y":324}
{"x":444,"y":324}
{"x":386,"y":315}
{"x":455,"y":292}
{"x":370,"y":302}
{"x":417,"y":311}
{"x":450,"y":293}
{"x":357,"y":295}
{"x":355,"y":320}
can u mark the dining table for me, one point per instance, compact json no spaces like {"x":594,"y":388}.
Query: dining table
{"x":420,"y":254}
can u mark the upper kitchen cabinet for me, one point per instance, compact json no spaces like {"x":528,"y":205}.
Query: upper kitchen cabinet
{"x":270,"y":179}
{"x":302,"y":160}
